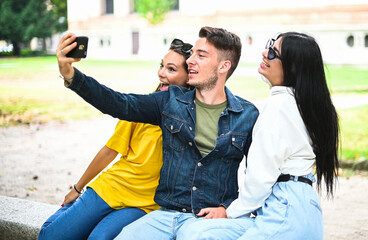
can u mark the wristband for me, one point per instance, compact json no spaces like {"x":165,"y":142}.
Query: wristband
{"x":75,"y":188}
{"x":65,"y":79}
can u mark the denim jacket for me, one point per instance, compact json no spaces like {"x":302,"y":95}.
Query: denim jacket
{"x":188,"y":181}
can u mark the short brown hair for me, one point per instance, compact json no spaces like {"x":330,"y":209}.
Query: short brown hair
{"x":228,"y":44}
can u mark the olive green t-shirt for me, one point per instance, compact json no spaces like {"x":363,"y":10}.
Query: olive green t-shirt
{"x":206,"y":131}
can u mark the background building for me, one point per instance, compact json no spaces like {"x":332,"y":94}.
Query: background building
{"x":115,"y":31}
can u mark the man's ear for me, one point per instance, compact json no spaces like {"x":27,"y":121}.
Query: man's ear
{"x":225,"y":66}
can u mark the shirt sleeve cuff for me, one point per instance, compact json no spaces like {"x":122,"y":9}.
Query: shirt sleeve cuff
{"x":77,"y":82}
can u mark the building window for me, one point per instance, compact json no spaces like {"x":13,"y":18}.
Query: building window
{"x":131,"y":6}
{"x":366,"y":41}
{"x":250,"y":40}
{"x":109,"y":6}
{"x":350,"y":41}
{"x":176,"y":5}
{"x":135,"y":40}
{"x":105,"y":42}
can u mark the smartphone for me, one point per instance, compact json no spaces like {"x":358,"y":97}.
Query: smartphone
{"x":80,"y":51}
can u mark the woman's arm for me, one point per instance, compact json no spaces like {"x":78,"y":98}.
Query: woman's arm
{"x":103,"y":158}
{"x":280,"y":142}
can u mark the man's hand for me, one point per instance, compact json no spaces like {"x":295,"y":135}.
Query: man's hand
{"x":219,"y":212}
{"x":65,"y":63}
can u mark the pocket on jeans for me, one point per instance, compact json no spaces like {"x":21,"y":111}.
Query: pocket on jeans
{"x":315,"y":204}
{"x":277,"y":207}
{"x":273,"y":216}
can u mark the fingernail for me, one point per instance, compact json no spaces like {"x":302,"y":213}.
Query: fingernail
{"x":62,"y":205}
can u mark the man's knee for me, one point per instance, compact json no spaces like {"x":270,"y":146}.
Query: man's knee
{"x":211,"y":229}
{"x":194,"y":234}
{"x":196,"y":230}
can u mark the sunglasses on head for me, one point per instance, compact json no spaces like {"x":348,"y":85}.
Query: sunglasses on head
{"x":271,"y":52}
{"x":185,"y":47}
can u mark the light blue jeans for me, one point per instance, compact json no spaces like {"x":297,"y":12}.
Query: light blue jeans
{"x":291,"y":212}
{"x":88,"y":217}
{"x":160,"y":225}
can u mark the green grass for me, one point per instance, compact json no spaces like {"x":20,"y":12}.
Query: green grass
{"x":347,"y":79}
{"x":354,"y":132}
{"x":31,"y":91}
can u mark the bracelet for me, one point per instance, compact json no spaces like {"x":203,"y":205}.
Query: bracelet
{"x":65,"y":79}
{"x":75,"y":188}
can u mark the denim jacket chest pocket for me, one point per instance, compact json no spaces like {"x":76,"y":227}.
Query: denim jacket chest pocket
{"x":237,"y":143}
{"x":175,"y":133}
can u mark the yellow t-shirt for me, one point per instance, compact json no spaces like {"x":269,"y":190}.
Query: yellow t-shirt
{"x":132,"y":181}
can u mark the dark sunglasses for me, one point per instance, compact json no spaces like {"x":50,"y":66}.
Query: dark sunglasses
{"x":185,"y":47}
{"x":271,"y":52}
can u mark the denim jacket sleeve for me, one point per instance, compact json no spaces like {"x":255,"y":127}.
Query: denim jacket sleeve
{"x":130,"y":107}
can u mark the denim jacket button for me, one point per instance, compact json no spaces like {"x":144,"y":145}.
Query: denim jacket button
{"x":171,"y":127}
{"x":190,"y":143}
{"x":199,"y":164}
{"x":194,"y":188}
{"x":190,"y":128}
{"x":184,"y":210}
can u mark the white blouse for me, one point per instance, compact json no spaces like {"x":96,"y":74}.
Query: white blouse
{"x":281,"y":145}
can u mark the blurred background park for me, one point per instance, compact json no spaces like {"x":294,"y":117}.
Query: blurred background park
{"x":128,"y":37}
{"x":48,"y":135}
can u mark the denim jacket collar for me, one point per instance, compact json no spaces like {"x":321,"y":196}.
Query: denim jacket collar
{"x":232,"y":103}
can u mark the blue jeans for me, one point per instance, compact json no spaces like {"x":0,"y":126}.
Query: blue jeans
{"x":292,"y":211}
{"x":88,"y":217}
{"x":160,"y":225}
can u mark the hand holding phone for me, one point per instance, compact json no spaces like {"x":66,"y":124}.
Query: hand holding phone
{"x":80,"y":51}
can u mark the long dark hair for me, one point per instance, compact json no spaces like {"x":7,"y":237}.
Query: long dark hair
{"x":304,"y":71}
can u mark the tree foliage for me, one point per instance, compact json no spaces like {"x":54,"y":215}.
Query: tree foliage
{"x":22,"y":20}
{"x":61,"y":14}
{"x":153,"y":10}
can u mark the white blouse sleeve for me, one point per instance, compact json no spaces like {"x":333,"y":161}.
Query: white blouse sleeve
{"x":273,"y":142}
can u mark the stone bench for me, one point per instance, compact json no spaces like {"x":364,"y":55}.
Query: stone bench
{"x":22,"y":219}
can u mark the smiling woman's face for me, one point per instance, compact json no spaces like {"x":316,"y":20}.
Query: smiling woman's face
{"x":272,"y":69}
{"x":172,"y":71}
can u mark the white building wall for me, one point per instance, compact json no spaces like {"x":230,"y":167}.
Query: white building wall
{"x":83,"y":9}
{"x":110,"y":36}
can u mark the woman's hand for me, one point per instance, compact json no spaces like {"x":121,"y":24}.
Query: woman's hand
{"x":70,"y":197}
{"x":66,"y":44}
{"x":219,"y":212}
{"x":103,"y":158}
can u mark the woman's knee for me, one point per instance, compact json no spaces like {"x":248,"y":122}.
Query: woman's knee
{"x":44,"y":234}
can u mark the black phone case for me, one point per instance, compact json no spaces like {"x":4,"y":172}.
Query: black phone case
{"x":80,"y":51}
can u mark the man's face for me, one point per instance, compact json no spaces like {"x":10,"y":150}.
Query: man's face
{"x":203,"y":65}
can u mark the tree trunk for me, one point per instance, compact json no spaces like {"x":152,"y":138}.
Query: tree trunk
{"x":16,"y":48}
{"x":44,"y":44}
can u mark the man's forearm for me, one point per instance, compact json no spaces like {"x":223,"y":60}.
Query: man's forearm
{"x":130,"y":107}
